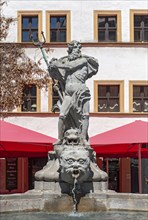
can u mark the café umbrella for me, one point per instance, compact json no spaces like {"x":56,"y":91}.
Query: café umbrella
{"x":129,"y":140}
{"x":17,"y":141}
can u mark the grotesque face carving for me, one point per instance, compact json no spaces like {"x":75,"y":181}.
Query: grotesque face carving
{"x":74,"y":164}
{"x":72,"y":137}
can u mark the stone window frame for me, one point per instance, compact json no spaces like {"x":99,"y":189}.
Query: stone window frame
{"x":107,"y":13}
{"x":132,"y":13}
{"x":109,"y":82}
{"x":38,"y":102}
{"x":68,"y":19}
{"x":131,"y":84}
{"x":28,"y":13}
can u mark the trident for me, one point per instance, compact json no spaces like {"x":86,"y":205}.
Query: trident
{"x":39,"y":44}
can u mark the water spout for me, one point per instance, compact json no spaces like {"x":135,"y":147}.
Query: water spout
{"x":75,"y":202}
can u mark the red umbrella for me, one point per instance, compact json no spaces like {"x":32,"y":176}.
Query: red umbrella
{"x":16,"y":141}
{"x":122,"y":141}
{"x":126,"y":141}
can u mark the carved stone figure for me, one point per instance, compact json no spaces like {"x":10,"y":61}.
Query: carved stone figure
{"x":75,"y":163}
{"x":72,"y":72}
{"x":71,"y":137}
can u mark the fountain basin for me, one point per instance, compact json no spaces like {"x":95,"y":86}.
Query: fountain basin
{"x":107,"y":215}
{"x":45,"y":200}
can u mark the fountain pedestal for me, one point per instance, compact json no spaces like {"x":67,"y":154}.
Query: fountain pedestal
{"x":62,"y":187}
{"x":67,"y":164}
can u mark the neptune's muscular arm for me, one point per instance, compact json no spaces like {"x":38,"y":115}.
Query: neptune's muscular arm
{"x":71,"y":66}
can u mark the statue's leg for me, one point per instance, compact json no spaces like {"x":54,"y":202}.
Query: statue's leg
{"x":63,"y":113}
{"x":61,"y":127}
{"x":85,"y":122}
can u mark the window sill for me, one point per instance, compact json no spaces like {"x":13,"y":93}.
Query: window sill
{"x":85,"y":44}
{"x":92,"y":114}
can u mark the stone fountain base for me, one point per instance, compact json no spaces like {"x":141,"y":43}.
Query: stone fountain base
{"x":51,"y":200}
{"x":62,"y":187}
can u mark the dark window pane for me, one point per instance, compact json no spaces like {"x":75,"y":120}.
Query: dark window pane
{"x":25,"y":22}
{"x":25,"y":36}
{"x":53,"y":36}
{"x":140,"y":98}
{"x":102,"y":91}
{"x":63,"y":22}
{"x":146,"y":36}
{"x":57,"y":22}
{"x":136,"y":35}
{"x":101,"y":35}
{"x":112,"y":21}
{"x":53,"y":22}
{"x":145,"y":21}
{"x":136,"y":105}
{"x":107,"y":28}
{"x":114,"y":90}
{"x":111,"y":105}
{"x":58,"y":28}
{"x":146,"y":106}
{"x":29,"y":98}
{"x":140,"y":28}
{"x":34,"y":34}
{"x":101,"y":22}
{"x":62,"y":36}
{"x":33,"y":90}
{"x":108,"y":98}
{"x":35,"y":22}
{"x":136,"y":91}
{"x":102,"y":105}
{"x":114,"y":105}
{"x":145,"y":89}
{"x":112,"y":35}
{"x":137,"y":20}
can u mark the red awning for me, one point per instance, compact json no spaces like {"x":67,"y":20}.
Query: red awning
{"x":122,"y":141}
{"x":16,"y":141}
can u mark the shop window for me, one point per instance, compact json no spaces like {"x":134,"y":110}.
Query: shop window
{"x":108,"y":96}
{"x":113,"y":173}
{"x":30,"y":99}
{"x":27,"y":20}
{"x":138,"y":97}
{"x":107,"y":26}
{"x":139,"y":25}
{"x":34,"y":165}
{"x":58,"y":26}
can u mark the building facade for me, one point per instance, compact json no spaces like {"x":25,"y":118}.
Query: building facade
{"x":114,"y":32}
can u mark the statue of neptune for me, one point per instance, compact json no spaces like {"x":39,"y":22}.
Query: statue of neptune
{"x":72,"y":71}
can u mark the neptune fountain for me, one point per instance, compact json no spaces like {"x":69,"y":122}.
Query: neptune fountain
{"x":73,"y":163}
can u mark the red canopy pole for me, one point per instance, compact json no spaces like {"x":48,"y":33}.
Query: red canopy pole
{"x":139,"y":168}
